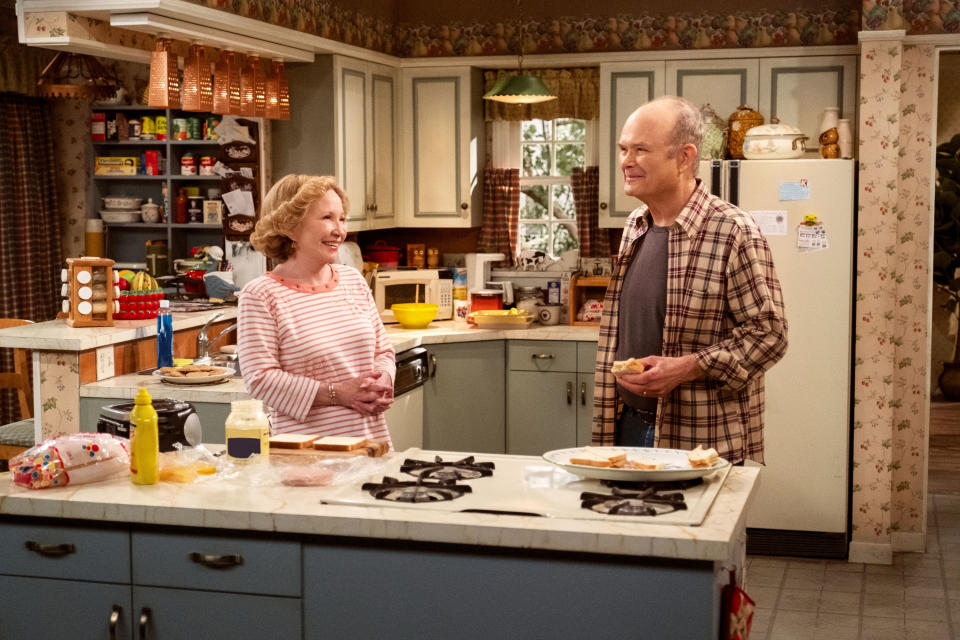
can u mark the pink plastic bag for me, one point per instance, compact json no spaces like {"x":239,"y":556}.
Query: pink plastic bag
{"x":76,"y":458}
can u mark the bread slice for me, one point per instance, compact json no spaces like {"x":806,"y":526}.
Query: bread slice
{"x":644,"y":464}
{"x":339,"y":443}
{"x":701,"y":457}
{"x":292,"y":441}
{"x":630,"y":365}
{"x":594,"y":457}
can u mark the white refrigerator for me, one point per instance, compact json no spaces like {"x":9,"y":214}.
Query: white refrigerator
{"x":805,"y":484}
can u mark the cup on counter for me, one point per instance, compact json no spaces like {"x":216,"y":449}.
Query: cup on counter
{"x":549,"y":314}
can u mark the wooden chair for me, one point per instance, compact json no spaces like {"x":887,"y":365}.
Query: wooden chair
{"x":19,"y":379}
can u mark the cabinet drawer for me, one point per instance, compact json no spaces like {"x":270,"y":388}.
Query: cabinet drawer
{"x":65,"y":552}
{"x":217,"y":563}
{"x":586,"y":357}
{"x":541,"y":355}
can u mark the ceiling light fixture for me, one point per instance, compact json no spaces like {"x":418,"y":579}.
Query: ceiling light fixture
{"x":519,"y":88}
{"x":74,"y":75}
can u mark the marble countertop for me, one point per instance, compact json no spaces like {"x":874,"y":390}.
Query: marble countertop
{"x":126,"y":387}
{"x":446,"y":331}
{"x":57,"y":335}
{"x":244,"y":504}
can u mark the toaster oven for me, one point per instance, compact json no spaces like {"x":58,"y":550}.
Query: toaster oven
{"x":413,"y":285}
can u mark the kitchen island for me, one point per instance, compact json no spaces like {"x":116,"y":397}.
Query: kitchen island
{"x":244,"y":557}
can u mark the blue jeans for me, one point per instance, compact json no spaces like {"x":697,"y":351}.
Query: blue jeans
{"x":636,"y":428}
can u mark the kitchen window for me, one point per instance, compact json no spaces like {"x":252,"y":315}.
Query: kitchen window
{"x":549,"y":149}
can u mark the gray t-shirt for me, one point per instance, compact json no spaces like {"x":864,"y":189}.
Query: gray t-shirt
{"x":643,"y":304}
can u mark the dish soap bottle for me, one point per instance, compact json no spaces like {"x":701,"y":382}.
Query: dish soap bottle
{"x":144,"y":441}
{"x":164,"y":335}
{"x":247,"y":430}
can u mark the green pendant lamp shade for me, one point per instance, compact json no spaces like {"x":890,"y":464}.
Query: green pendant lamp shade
{"x":519,"y":89}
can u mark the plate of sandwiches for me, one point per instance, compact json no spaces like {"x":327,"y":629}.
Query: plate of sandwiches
{"x":637,"y":463}
{"x":193,"y":374}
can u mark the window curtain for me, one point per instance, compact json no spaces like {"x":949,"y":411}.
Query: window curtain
{"x":501,"y":211}
{"x":577,"y":91}
{"x":30,"y":247}
{"x":20,"y":66}
{"x":594,"y":241}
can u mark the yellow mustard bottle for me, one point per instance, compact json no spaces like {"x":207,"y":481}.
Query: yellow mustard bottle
{"x":144,"y":440}
{"x":247,"y":431}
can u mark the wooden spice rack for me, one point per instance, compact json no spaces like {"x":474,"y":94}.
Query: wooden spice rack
{"x":90,"y":295}
{"x":583,"y":288}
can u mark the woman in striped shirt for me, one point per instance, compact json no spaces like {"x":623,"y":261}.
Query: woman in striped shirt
{"x":312,"y":346}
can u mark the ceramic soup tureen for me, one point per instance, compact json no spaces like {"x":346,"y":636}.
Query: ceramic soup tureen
{"x":774,"y":141}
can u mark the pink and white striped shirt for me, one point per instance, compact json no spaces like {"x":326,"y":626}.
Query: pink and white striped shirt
{"x":294,"y":339}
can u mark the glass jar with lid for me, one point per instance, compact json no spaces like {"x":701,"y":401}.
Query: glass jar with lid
{"x":247,"y":430}
{"x":528,"y":298}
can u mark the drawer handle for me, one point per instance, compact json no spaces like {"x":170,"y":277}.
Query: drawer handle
{"x":217,"y":562}
{"x":115,"y":620}
{"x":542,"y":356}
{"x":145,"y":614}
{"x":583,"y":394}
{"x":569,"y":393}
{"x":51,"y":550}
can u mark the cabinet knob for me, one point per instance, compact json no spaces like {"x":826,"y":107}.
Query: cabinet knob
{"x":51,"y":550}
{"x":569,"y":392}
{"x":464,"y":206}
{"x":145,"y":614}
{"x":375,"y":207}
{"x":217,"y":562}
{"x":114,"y":621}
{"x":603,"y":205}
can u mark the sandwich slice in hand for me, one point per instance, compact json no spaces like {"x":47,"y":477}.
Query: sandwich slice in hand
{"x":630,"y":365}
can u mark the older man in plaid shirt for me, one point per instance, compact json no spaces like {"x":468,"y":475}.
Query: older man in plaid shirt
{"x":694,"y":293}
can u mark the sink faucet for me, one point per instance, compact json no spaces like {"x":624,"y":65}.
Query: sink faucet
{"x":203,"y":343}
{"x":222,"y":334}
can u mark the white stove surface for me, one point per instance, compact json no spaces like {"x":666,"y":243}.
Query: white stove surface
{"x":524,"y":485}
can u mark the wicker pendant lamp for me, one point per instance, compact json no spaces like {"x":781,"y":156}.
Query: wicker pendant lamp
{"x":197,"y":93}
{"x":164,"y":77}
{"x":253,"y":89}
{"x":226,"y":84}
{"x":278,"y":92}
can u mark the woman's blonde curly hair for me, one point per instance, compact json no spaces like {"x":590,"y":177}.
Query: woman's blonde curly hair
{"x":284,"y":207}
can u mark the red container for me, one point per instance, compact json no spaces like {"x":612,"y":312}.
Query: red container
{"x":385,"y":255}
{"x":193,"y":282}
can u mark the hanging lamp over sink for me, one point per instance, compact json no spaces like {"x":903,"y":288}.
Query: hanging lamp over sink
{"x":519,"y":88}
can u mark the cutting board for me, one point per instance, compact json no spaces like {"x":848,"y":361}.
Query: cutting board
{"x":309,"y":454}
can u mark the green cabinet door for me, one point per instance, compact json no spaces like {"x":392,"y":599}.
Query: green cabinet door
{"x":463,"y":401}
{"x":584,"y":408}
{"x":541,"y":411}
{"x":38,"y":607}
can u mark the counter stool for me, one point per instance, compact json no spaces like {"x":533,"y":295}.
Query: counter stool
{"x":20,"y":378}
{"x":15,"y":438}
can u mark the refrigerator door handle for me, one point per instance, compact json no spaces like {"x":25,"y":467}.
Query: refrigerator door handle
{"x":733,"y":188}
{"x":716,"y":177}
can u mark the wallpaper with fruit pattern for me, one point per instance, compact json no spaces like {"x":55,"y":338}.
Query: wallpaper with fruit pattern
{"x":893,"y":282}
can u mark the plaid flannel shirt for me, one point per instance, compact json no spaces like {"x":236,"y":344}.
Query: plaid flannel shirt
{"x":724,"y":304}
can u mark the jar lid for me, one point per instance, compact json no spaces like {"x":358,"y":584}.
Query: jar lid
{"x":246,"y":406}
{"x":535,"y":290}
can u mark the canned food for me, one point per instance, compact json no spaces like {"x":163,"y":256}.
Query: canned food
{"x":134,"y":128}
{"x":188,"y":165}
{"x":206,"y":165}
{"x":148,"y":128}
{"x":161,"y":127}
{"x":193,"y":129}
{"x":179,"y":131}
{"x":209,"y":128}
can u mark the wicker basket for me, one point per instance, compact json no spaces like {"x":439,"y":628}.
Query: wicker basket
{"x":741,"y":121}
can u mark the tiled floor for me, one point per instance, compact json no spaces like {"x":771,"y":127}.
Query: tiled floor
{"x":916,"y":597}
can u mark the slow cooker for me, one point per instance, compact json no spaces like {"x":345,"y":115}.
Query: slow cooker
{"x":177,"y":421}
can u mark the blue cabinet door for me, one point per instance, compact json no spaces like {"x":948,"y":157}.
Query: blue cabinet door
{"x":175,"y":614}
{"x":34,"y":607}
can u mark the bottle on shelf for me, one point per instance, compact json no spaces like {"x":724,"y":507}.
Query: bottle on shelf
{"x":144,"y":440}
{"x":181,"y":216}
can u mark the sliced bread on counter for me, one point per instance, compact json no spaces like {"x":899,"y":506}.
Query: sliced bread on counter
{"x":292,"y":441}
{"x":339,"y":443}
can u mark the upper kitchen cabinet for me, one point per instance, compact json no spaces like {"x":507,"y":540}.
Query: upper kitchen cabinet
{"x":724,"y":84}
{"x":344,"y":124}
{"x":623,"y":88}
{"x":442,"y":138}
{"x":797,"y":90}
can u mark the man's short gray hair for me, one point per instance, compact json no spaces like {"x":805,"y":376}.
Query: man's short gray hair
{"x":688,"y":129}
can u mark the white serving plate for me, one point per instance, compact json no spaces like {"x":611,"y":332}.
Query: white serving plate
{"x":222,"y":374}
{"x":120,"y":216}
{"x":676,"y":464}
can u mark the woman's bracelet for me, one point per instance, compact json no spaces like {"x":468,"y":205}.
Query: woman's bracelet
{"x":332,"y":393}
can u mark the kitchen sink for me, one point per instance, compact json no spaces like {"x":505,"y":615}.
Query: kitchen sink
{"x":229,"y":360}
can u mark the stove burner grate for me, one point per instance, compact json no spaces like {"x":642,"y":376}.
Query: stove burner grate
{"x":624,"y":502}
{"x":418,"y":490}
{"x":439,"y":469}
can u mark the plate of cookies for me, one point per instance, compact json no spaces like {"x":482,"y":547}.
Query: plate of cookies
{"x":193,"y":374}
{"x":637,"y":463}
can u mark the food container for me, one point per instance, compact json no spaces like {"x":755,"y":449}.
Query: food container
{"x":774,"y":141}
{"x":501,"y":319}
{"x":188,"y":164}
{"x":414,"y":315}
{"x":714,"y":134}
{"x":741,"y":121}
{"x":528,"y":298}
{"x":150,"y":212}
{"x":121,"y":202}
{"x":119,"y":217}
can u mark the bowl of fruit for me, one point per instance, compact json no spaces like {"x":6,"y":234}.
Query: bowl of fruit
{"x":140,"y":296}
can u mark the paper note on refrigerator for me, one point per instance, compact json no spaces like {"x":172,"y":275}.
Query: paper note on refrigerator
{"x":812,"y":238}
{"x":796,"y":190}
{"x":771,"y":223}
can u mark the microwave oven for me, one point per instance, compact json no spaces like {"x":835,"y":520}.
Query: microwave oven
{"x":413,"y":285}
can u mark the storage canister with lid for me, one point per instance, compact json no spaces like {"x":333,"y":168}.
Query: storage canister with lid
{"x":247,"y":430}
{"x":528,"y":298}
{"x":741,"y":121}
{"x":714,"y":134}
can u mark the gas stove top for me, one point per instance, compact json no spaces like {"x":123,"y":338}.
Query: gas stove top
{"x":523,"y":485}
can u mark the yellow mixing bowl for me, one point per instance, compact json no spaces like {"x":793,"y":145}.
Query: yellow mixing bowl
{"x":414,"y":315}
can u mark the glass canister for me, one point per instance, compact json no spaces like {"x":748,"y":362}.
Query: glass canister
{"x":247,"y":430}
{"x":714,"y":134}
{"x":528,"y":298}
{"x":741,"y":121}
